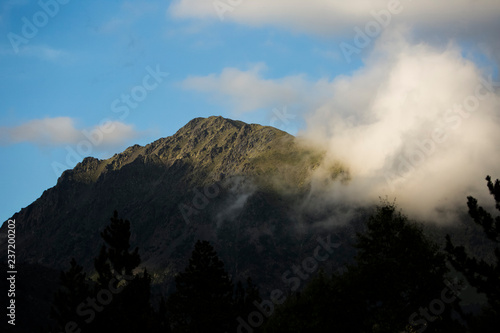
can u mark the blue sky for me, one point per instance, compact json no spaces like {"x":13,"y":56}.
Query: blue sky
{"x":282,"y":63}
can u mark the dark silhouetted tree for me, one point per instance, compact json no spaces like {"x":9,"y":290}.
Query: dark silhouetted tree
{"x":203,"y":298}
{"x":397,"y":271}
{"x":73,"y":290}
{"x":103,"y":267}
{"x":117,"y":237}
{"x":119,"y":298}
{"x":244,"y":298}
{"x":400,"y":269}
{"x":481,"y":274}
{"x":130,"y":309}
{"x":315,"y":309}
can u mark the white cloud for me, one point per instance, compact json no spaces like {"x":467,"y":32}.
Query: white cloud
{"x":113,"y":25}
{"x":400,"y":123}
{"x":62,"y":131}
{"x":394,"y":122}
{"x":476,"y":22}
{"x":42,"y":52}
{"x":248,"y":90}
{"x":402,"y":126}
{"x":141,"y":7}
{"x":321,"y":16}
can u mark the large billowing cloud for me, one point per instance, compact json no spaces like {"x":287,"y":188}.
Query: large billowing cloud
{"x":419,"y":123}
{"x":62,"y":131}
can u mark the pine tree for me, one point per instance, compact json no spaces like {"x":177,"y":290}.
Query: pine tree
{"x":203,"y":298}
{"x":103,"y":267}
{"x":129,"y":309}
{"x":482,"y":275}
{"x":244,"y":298}
{"x":397,"y":271}
{"x":117,"y":237}
{"x":72,"y":292}
{"x":315,"y":309}
{"x":161,"y":320}
{"x":119,"y":298}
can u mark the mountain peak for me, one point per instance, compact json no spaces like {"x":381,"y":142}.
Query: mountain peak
{"x":215,"y":145}
{"x":212,"y":121}
{"x":215,"y":178}
{"x":218,"y":126}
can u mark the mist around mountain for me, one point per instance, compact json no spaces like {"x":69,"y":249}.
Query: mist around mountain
{"x":208,"y":180}
{"x":259,"y":196}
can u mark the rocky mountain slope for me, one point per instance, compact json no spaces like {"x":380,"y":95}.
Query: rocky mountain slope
{"x":246,"y":188}
{"x":234,"y":184}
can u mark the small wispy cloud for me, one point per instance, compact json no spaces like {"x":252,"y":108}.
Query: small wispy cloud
{"x":113,"y":25}
{"x":140,"y":8}
{"x":62,"y":131}
{"x":45,"y":52}
{"x":248,"y":90}
{"x":42,"y":52}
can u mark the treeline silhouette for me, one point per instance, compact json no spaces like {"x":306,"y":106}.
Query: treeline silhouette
{"x":117,"y":299}
{"x":400,"y":282}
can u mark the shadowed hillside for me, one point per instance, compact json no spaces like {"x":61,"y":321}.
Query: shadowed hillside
{"x":238,"y":185}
